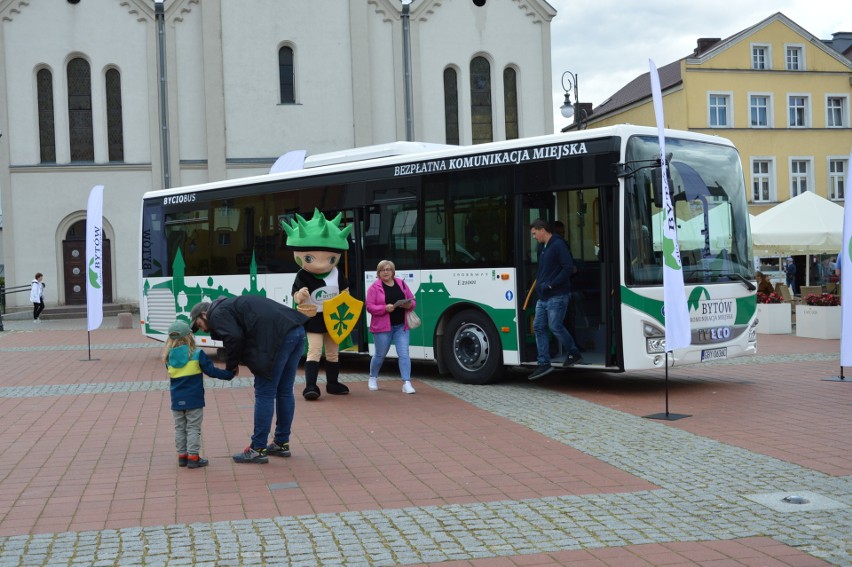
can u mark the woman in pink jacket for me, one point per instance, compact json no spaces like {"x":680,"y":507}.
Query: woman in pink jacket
{"x":387,"y":301}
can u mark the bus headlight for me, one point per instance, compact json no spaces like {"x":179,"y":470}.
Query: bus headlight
{"x":655,"y":339}
{"x":752,"y":333}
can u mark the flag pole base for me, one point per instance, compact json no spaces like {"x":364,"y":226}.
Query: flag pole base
{"x":840,"y":378}
{"x":667,"y":416}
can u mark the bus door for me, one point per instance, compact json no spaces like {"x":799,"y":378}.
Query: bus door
{"x":575,"y":215}
{"x":390,"y":230}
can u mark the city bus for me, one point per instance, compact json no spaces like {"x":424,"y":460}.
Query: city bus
{"x":456,"y":223}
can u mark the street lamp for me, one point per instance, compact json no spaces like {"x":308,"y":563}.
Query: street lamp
{"x":406,"y":69}
{"x":569,"y":83}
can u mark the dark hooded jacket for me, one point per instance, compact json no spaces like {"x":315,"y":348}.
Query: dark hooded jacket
{"x":252,"y":329}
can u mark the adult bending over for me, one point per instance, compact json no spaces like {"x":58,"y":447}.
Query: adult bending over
{"x":269,"y":338}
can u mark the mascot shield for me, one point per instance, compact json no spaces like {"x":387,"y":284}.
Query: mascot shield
{"x":340,"y":315}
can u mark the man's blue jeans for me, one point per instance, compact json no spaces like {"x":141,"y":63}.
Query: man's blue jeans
{"x":550,"y":314}
{"x":274,"y":394}
{"x":399,"y":336}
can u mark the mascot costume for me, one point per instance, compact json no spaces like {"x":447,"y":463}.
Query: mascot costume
{"x":321,"y":292}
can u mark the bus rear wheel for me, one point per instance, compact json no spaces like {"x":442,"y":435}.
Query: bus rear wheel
{"x":471,"y":348}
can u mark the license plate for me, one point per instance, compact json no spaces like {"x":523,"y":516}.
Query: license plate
{"x":714,"y":354}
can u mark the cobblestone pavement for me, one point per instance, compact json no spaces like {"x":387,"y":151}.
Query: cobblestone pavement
{"x":699,"y":490}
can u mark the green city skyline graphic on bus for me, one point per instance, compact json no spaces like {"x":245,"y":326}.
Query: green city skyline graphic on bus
{"x":195,"y":294}
{"x":433,"y":299}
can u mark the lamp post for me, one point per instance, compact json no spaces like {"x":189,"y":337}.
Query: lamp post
{"x":569,"y":83}
{"x":160,"y":17}
{"x":406,"y":66}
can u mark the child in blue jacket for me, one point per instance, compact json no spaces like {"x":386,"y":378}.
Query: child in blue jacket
{"x":186,"y":365}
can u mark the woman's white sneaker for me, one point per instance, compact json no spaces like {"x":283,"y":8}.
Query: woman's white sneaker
{"x":407,"y":388}
{"x":373,"y":384}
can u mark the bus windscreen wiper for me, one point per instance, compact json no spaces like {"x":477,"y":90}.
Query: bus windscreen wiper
{"x":750,"y":286}
{"x":718,"y":273}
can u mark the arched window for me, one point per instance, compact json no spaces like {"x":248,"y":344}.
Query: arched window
{"x":287,"y":75}
{"x":46,"y":129}
{"x":480,"y":101}
{"x":510,"y":98}
{"x":451,"y":106}
{"x":80,"y":110}
{"x":115,"y":135}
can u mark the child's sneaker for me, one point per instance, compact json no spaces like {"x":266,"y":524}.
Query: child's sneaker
{"x":373,"y":383}
{"x":195,"y":462}
{"x":182,"y":459}
{"x":407,"y":388}
{"x":279,"y":449}
{"x":251,"y":455}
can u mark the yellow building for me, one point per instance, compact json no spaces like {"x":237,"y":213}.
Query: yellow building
{"x":779,"y":93}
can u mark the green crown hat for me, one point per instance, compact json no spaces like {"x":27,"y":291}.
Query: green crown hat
{"x":318,"y":233}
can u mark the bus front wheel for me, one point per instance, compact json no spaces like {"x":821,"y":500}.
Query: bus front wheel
{"x":471,"y":348}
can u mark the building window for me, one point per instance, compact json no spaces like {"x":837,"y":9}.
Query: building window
{"x":510,"y":97}
{"x":836,"y":179}
{"x":286,"y":75}
{"x":761,"y":181}
{"x":80,"y":110}
{"x":115,"y":135}
{"x":451,"y":106}
{"x":798,"y":111}
{"x":759,"y":111}
{"x":760,"y":57}
{"x":794,"y":60}
{"x":799,"y":176}
{"x":837,"y":110}
{"x":46,"y":129}
{"x":719,"y":107}
{"x":480,"y":101}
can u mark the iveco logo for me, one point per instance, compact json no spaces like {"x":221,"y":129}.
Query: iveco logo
{"x":714,"y":334}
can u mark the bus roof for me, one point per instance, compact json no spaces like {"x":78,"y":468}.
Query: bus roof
{"x":401,"y":152}
{"x":372,"y":152}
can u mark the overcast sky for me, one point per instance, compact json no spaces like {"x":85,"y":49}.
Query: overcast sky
{"x":608,"y":42}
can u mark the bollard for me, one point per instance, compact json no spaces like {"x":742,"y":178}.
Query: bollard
{"x":125,"y":320}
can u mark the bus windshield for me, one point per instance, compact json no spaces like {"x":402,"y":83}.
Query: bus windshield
{"x":708,"y":194}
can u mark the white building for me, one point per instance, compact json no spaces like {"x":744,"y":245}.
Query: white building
{"x":245,"y":81}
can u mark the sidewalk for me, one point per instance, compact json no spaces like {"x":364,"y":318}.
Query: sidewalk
{"x":561,"y":471}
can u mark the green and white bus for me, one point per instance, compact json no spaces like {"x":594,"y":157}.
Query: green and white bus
{"x":456,"y":222}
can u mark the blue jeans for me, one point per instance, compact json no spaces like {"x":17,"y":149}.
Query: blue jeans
{"x":550,"y":314}
{"x":274,"y":394}
{"x":398,"y":335}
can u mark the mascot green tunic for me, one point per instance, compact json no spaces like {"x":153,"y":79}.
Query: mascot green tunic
{"x":317,"y":246}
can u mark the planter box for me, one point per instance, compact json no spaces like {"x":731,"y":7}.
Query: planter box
{"x":818,"y":322}
{"x":774,"y":318}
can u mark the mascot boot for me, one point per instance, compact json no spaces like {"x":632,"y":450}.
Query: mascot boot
{"x":332,"y":385}
{"x":311,"y":391}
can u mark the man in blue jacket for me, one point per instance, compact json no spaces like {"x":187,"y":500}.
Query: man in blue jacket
{"x":269,"y":338}
{"x":553,"y":284}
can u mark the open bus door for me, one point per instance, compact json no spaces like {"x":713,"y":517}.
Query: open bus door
{"x":579,"y":211}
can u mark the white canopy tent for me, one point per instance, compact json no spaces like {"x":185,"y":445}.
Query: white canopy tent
{"x":804,"y":225}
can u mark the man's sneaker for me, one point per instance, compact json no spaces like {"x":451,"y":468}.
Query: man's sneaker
{"x":195,"y":462}
{"x":407,"y":388}
{"x":540,"y":372}
{"x":251,"y":455}
{"x":572,"y":359}
{"x":182,"y":460}
{"x":279,"y":450}
{"x":373,"y":383}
